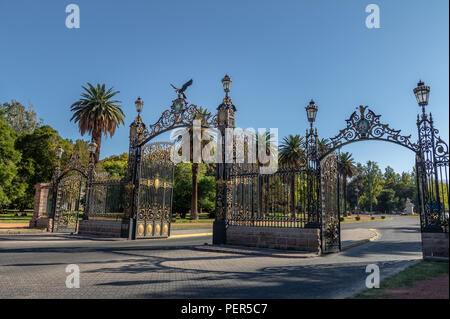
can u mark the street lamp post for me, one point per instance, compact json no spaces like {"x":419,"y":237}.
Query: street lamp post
{"x":312,"y":162}
{"x":422,"y":93}
{"x":427,"y":152}
{"x":311,"y":135}
{"x":58,"y":153}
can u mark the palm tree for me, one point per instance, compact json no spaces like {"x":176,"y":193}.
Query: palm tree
{"x":322,"y":146}
{"x":266,"y":139}
{"x":203,"y":115}
{"x":270,"y":150}
{"x":292,"y":154}
{"x":291,"y":150}
{"x":347,"y":168}
{"x":96,"y":114}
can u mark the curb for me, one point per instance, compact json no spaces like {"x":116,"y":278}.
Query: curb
{"x":249,"y":251}
{"x":190,"y":235}
{"x":18,"y":232}
{"x":435,"y":258}
{"x":363,"y":241}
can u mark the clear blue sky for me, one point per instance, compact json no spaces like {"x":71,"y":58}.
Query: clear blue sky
{"x":280,"y":54}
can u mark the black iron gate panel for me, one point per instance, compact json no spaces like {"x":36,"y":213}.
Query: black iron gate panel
{"x":107,"y":199}
{"x":70,"y":201}
{"x":432,"y":165}
{"x":282,"y":199}
{"x":329,"y":192}
{"x":154,"y":211}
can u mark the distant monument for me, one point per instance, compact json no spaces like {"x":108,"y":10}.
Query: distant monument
{"x":409,"y":207}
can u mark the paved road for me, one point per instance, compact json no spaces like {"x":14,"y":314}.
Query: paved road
{"x":172,"y":269}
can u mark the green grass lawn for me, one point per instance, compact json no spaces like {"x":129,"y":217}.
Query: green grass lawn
{"x":406,"y":278}
{"x":9,"y":217}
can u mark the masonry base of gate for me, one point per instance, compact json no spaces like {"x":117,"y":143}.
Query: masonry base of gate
{"x":435,"y":245}
{"x":41,"y":223}
{"x":40,"y":218}
{"x":104,"y":228}
{"x":301,"y":239}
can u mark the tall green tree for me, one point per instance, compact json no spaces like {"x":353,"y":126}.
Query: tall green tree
{"x":292,"y":154}
{"x":207,"y":195}
{"x":20,"y":119}
{"x":347,"y":168}
{"x":182,"y":191}
{"x":97,"y":113}
{"x":11,"y":187}
{"x":202,"y":115}
{"x":115,"y":165}
{"x":373,"y":181}
{"x":385,"y":200}
{"x":37,"y":163}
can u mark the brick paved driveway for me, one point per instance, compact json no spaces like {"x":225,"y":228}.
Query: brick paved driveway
{"x":31,"y":268}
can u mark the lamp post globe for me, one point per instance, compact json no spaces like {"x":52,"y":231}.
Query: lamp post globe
{"x":226,"y":82}
{"x":311,"y":111}
{"x":422,"y":93}
{"x":92,"y":147}
{"x":139,"y":105}
{"x":59,"y":151}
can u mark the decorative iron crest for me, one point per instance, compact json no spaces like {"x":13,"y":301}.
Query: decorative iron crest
{"x":364,"y":125}
{"x":170,"y":119}
{"x":157,"y":152}
{"x":74,"y":165}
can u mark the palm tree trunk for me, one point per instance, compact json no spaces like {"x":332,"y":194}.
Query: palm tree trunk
{"x":293,"y":197}
{"x":345,"y":194}
{"x":97,"y":138}
{"x":194,"y":212}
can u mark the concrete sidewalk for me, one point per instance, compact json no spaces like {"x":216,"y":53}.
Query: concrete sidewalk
{"x":355,"y":237}
{"x":349,"y":238}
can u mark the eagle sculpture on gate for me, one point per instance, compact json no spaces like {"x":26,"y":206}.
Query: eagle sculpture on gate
{"x":183,"y":88}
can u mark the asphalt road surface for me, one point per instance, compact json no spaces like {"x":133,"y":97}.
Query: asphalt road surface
{"x":35,"y":267}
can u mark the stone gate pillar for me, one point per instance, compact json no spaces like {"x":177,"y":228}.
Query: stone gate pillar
{"x":226,"y":119}
{"x":41,"y":218}
{"x":137,"y":134}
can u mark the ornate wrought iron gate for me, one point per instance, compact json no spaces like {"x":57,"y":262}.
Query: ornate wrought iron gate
{"x":329,"y":197}
{"x":70,"y":201}
{"x":154,"y":211}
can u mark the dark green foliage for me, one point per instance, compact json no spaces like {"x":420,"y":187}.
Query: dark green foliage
{"x":115,"y":165}
{"x":386,"y":202}
{"x":11,"y":187}
{"x":38,"y":160}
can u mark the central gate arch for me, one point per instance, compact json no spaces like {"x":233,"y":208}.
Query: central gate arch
{"x":364,"y":125}
{"x":432,"y":162}
{"x":150,"y":168}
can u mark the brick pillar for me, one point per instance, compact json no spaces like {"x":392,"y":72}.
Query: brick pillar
{"x":40,"y":218}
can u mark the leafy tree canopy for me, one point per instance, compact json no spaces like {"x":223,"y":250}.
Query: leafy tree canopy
{"x":20,"y":119}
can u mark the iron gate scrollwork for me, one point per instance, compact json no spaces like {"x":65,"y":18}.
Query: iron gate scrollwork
{"x":70,"y":202}
{"x":329,"y":197}
{"x":154,"y":211}
{"x":432,"y":164}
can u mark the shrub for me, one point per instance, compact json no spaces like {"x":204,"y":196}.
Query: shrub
{"x":341,"y":219}
{"x":383,"y":217}
{"x":357,"y":218}
{"x":372,"y":218}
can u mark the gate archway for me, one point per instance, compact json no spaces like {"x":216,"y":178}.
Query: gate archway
{"x":432,"y":164}
{"x":149,"y":160}
{"x":69,"y":196}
